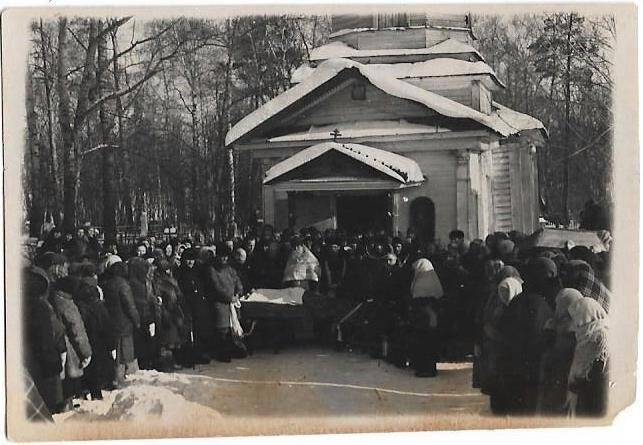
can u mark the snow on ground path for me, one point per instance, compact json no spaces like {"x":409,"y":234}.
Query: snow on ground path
{"x":320,"y":382}
{"x":298,"y":382}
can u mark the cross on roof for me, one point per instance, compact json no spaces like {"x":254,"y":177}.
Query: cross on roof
{"x":335,"y":134}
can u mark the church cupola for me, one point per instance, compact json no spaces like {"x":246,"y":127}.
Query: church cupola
{"x":400,"y":31}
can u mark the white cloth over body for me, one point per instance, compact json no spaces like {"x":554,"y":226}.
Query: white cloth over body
{"x":235,"y":325}
{"x":291,"y":295}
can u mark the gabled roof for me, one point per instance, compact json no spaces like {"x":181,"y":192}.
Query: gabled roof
{"x":340,"y":49}
{"x":398,"y":167}
{"x":442,"y":67}
{"x":385,"y":82}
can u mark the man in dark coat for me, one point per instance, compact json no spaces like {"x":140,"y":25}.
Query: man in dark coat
{"x":44,"y":338}
{"x":196,"y":305}
{"x":120,"y":304}
{"x":100,"y":331}
{"x":145,"y":347}
{"x":222,"y":287}
{"x":79,"y":351}
{"x":53,"y":241}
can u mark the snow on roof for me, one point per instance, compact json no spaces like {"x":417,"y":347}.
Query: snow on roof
{"x":342,"y":32}
{"x":396,"y":166}
{"x":387,"y":83}
{"x":358,"y":129}
{"x":341,"y":49}
{"x":453,"y":46}
{"x":441,"y":67}
{"x":516,"y":120}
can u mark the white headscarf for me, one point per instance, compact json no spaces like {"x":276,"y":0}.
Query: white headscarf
{"x":426,"y":282}
{"x":111,"y":260}
{"x":564,"y":299}
{"x":590,"y":328}
{"x":508,"y":289}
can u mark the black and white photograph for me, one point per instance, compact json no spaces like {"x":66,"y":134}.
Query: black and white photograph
{"x":238,"y":221}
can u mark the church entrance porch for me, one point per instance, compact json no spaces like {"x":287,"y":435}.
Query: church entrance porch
{"x":361,"y":213}
{"x":331,"y":185}
{"x":353,"y":211}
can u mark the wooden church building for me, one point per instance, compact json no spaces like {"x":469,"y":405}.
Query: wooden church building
{"x":393,"y":125}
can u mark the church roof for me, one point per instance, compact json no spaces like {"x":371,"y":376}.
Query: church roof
{"x":382,"y":80}
{"x":441,"y":67}
{"x":398,"y":167}
{"x":341,"y":49}
{"x":516,"y":120}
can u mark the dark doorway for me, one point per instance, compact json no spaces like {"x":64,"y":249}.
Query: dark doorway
{"x":360,"y":213}
{"x":423,"y":218}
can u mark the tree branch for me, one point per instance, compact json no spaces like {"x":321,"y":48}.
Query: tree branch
{"x":151,"y":72}
{"x":141,"y":42}
{"x":96,"y":148}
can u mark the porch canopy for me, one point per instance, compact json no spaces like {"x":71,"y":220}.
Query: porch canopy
{"x":335,"y":165}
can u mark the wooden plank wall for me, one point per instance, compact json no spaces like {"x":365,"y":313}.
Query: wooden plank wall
{"x":515,"y":180}
{"x":392,"y":39}
{"x":350,"y":21}
{"x":501,"y":188}
{"x":454,"y":88}
{"x":485,"y":203}
{"x":529,"y":184}
{"x":515,"y":189}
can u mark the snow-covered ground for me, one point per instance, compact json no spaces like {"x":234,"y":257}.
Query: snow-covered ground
{"x":147,"y":394}
{"x":296,"y":382}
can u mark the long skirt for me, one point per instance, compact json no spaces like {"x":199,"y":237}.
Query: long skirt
{"x":145,"y":348}
{"x":424,"y":355}
{"x":593,"y":392}
{"x":125,"y":350}
{"x":424,"y":335}
{"x":555,"y":364}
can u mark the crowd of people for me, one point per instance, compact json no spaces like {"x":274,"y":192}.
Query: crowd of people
{"x":534,"y":320}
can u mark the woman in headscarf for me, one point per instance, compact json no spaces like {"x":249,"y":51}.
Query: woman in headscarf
{"x":425,"y":280}
{"x":174,"y":326}
{"x":588,"y":376}
{"x":486,"y":291}
{"x":426,"y":291}
{"x":520,"y":327}
{"x":557,"y":358}
{"x":491,"y":344}
{"x":302,"y":268}
{"x":581,"y":276}
{"x":544,"y":279}
{"x":504,"y":396}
